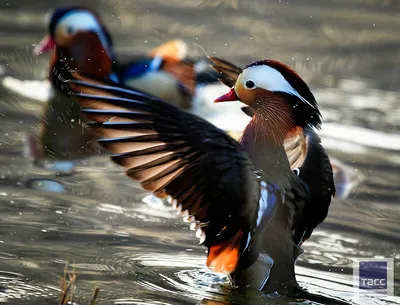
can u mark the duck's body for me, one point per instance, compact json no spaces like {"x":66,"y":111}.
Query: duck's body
{"x":246,"y":203}
{"x":169,"y":79}
{"x":279,"y":188}
{"x":62,"y":135}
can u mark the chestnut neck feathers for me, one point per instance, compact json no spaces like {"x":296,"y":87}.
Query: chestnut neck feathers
{"x":263,"y":141}
{"x":86,"y":55}
{"x":273,"y":120}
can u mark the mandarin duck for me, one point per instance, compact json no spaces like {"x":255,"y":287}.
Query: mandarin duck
{"x":163,"y":72}
{"x":62,"y":136}
{"x":248,"y":207}
{"x":79,"y":33}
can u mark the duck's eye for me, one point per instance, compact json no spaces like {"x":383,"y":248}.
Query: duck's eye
{"x":250,"y":84}
{"x":70,"y":30}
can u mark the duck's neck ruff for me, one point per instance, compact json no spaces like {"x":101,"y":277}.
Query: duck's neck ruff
{"x":86,"y":54}
{"x":270,"y":125}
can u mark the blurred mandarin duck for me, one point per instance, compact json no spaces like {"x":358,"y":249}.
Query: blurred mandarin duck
{"x":62,"y":136}
{"x":78,"y":33}
{"x":248,"y":207}
{"x":163,"y":72}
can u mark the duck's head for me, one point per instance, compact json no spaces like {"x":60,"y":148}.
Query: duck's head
{"x":65,"y":23}
{"x":280,"y":99}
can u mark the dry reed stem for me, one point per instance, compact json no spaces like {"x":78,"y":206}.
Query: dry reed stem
{"x":67,"y":287}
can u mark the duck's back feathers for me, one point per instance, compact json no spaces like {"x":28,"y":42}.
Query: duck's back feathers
{"x":138,"y":66}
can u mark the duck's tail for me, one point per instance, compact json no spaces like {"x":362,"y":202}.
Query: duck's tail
{"x":224,"y":256}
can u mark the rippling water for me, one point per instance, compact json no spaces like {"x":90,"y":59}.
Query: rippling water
{"x":138,"y":251}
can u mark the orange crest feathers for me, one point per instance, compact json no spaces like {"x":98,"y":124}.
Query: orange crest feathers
{"x":174,"y":50}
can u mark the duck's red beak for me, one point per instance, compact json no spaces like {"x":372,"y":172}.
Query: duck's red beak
{"x":228,"y":97}
{"x":47,"y":44}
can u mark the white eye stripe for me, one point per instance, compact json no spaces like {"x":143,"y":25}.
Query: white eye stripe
{"x":80,"y":20}
{"x":270,"y":79}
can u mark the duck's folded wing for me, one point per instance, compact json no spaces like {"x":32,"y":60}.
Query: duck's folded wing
{"x":228,"y":72}
{"x":296,"y":149}
{"x":310,"y":161}
{"x":176,"y":154}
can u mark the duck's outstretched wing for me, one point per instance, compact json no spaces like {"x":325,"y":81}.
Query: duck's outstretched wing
{"x":173,"y":153}
{"x":310,"y":161}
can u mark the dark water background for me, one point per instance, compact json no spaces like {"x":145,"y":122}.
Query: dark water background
{"x":141,"y":253}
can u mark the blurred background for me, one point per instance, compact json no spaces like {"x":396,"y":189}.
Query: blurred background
{"x":140,"y":252}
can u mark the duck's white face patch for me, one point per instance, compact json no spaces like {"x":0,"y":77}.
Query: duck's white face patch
{"x":76,"y":21}
{"x":268,"y":78}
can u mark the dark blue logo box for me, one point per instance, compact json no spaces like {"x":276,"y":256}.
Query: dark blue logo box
{"x":373,"y":275}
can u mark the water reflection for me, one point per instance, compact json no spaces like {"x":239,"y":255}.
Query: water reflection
{"x":14,"y":286}
{"x":45,"y":185}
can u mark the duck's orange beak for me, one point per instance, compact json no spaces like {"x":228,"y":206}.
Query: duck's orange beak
{"x":228,"y":97}
{"x":47,"y":44}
